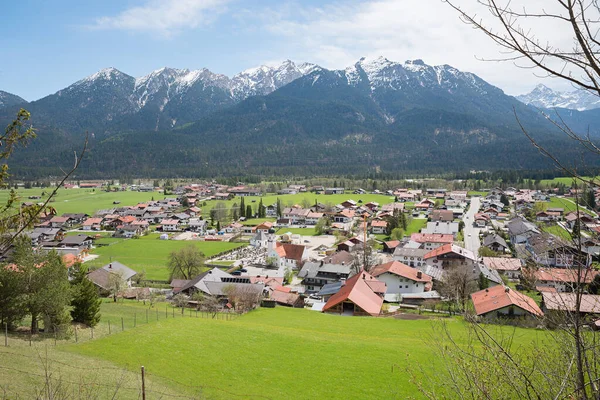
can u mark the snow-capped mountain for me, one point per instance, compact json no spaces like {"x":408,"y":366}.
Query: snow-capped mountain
{"x":544,"y":97}
{"x":9,"y":99}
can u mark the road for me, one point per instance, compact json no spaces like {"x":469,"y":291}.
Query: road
{"x":471,"y":233}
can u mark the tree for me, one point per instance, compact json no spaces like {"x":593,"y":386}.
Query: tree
{"x":397,"y":234}
{"x":44,"y":283}
{"x":262,"y":212}
{"x":458,"y":284}
{"x":249,"y":213}
{"x":185,"y":263}
{"x":279,"y":208}
{"x":591,"y":199}
{"x":504,"y":200}
{"x":482,"y":281}
{"x":85,"y":302}
{"x":567,"y":367}
{"x":322,"y":225}
{"x":116,"y":284}
{"x":242,"y":208}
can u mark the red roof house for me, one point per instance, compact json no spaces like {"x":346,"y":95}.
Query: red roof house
{"x":362,"y":294}
{"x":504,"y":301}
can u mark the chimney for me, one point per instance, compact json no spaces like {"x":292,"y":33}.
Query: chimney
{"x":110,"y":266}
{"x":320,"y":265}
{"x":343,"y":281}
{"x":507,"y":289}
{"x":419,"y":274}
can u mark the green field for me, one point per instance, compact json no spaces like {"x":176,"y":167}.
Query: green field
{"x":354,"y":356}
{"x":297,"y":231}
{"x":567,"y":181}
{"x":85,"y":200}
{"x":151,"y":254}
{"x":268,"y":353}
{"x":415,"y":225}
{"x":257,"y":221}
{"x":567,"y":204}
{"x":558,"y":231}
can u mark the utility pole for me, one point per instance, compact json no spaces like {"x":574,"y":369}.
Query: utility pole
{"x":365,"y":242}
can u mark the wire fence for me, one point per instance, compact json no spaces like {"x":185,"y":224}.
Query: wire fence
{"x":23,"y":355}
{"x":110,"y":325}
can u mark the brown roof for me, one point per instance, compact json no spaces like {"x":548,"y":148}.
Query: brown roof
{"x":564,"y":275}
{"x":282,"y":297}
{"x":92,"y":221}
{"x":590,"y":303}
{"x":358,"y":292}
{"x":432,"y":238}
{"x":502,"y":263}
{"x":290,"y":251}
{"x":403,"y":270}
{"x":497,"y":297}
{"x":100,"y":277}
{"x":341,"y":257}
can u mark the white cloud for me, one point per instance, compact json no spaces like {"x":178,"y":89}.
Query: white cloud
{"x":166,"y":17}
{"x":337,"y":35}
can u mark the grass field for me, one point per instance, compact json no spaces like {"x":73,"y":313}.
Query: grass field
{"x":567,"y":204}
{"x":151,"y":254}
{"x":558,"y":231}
{"x":567,"y":181}
{"x":84,"y":200}
{"x":279,"y":353}
{"x":297,"y":231}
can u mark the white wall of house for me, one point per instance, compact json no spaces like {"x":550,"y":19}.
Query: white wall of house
{"x":398,"y":284}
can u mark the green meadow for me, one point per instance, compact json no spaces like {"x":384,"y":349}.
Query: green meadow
{"x":151,"y":254}
{"x":84,"y":200}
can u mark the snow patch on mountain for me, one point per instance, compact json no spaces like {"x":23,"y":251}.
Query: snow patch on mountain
{"x":544,"y":97}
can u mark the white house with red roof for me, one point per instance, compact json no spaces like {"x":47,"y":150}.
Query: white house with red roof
{"x":378,"y":226}
{"x":400,"y":278}
{"x":430,"y":241}
{"x":449,"y":256}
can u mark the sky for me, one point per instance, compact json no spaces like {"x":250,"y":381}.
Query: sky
{"x":48,"y":45}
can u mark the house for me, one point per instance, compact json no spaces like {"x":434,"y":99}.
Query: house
{"x":561,"y":279}
{"x":521,"y":230}
{"x":349,"y":204}
{"x":170,"y":225}
{"x":509,"y":267}
{"x":128,"y":231}
{"x":60,"y":222}
{"x":336,"y":190}
{"x":390,"y":246}
{"x":287,"y":255}
{"x":344,"y":216}
{"x":560,"y":302}
{"x":76,"y":218}
{"x":400,"y":278}
{"x":217,"y":283}
{"x":260,"y":239}
{"x":378,"y":227}
{"x":264,"y":226}
{"x":502,"y":301}
{"x":286,"y":298}
{"x":362,"y":295}
{"x":313,"y":217}
{"x":431,"y":241}
{"x":425,"y":205}
{"x":444,"y":228}
{"x":315,"y":275}
{"x":296,"y":215}
{"x":481,"y":219}
{"x":411,"y":257}
{"x":92,"y":224}
{"x":341,"y":257}
{"x":79,"y":241}
{"x":177,"y":284}
{"x":442,"y":216}
{"x":271,"y":211}
{"x":104,"y":276}
{"x":450,"y":256}
{"x":552,"y":251}
{"x":495,"y":242}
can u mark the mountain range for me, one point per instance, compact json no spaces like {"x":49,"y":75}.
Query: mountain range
{"x":374,"y":116}
{"x":544,"y":97}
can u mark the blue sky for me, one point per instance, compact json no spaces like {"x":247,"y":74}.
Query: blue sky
{"x":47,"y":45}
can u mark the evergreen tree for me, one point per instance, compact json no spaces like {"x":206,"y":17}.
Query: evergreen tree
{"x":242,"y":208}
{"x":279,"y":209}
{"x":249,"y":211}
{"x":591,"y":199}
{"x":218,"y":226}
{"x":85,"y":301}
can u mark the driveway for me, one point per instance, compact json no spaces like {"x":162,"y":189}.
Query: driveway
{"x":472,"y":233}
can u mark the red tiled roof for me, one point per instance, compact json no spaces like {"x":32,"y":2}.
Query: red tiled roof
{"x":403,"y":270}
{"x":358,"y":292}
{"x":380,"y":224}
{"x":432,"y":238}
{"x":392,"y":244}
{"x":169,"y":222}
{"x":92,"y":221}
{"x":502,"y":263}
{"x":290,"y":251}
{"x":564,"y":275}
{"x":449,"y":248}
{"x":498,"y":297}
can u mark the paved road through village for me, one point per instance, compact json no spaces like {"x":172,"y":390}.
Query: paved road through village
{"x":472,"y":233}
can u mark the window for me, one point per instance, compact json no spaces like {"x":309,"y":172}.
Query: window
{"x":406,"y":286}
{"x":416,"y":285}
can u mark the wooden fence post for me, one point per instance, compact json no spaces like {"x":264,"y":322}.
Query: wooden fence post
{"x":109,"y":326}
{"x":122,"y":325}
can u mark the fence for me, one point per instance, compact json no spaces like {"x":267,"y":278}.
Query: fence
{"x":112,"y":325}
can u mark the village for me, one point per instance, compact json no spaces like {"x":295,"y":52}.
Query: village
{"x":505,"y":254}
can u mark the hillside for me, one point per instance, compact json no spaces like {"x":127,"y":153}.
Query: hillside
{"x":376,"y":115}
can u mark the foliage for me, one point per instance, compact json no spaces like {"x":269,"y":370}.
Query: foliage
{"x":487,"y":252}
{"x":397,"y":234}
{"x":86,"y":301}
{"x":322,"y":225}
{"x":185,"y":263}
{"x":458,"y":285}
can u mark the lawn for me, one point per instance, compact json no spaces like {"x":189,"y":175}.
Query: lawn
{"x":297,"y":231}
{"x":302,"y":199}
{"x":317,"y":355}
{"x":151,"y":254}
{"x":472,"y":193}
{"x":567,"y":204}
{"x":85,"y":200}
{"x":415,"y":226}
{"x":558,"y":231}
{"x":257,"y":221}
